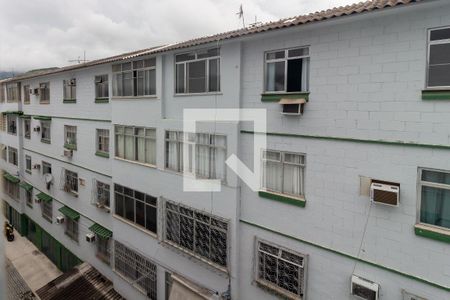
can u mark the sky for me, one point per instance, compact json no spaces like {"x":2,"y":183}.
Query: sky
{"x":48,"y":33}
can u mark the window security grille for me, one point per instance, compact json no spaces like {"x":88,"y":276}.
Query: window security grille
{"x":279,"y":268}
{"x":196,"y":232}
{"x":136,"y":268}
{"x":100,"y":194}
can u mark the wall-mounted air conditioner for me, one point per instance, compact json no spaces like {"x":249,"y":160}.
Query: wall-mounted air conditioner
{"x":292,"y":107}
{"x":31,"y":92}
{"x":36,"y":91}
{"x":387,"y":194}
{"x":90,"y":237}
{"x":36,"y":166}
{"x":37,"y":129}
{"x":59,"y":219}
{"x":409,"y":296}
{"x":68,"y":153}
{"x":364,"y":289}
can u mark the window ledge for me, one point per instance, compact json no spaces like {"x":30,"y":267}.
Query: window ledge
{"x":136,"y":162}
{"x":430,"y":94}
{"x":301,"y":202}
{"x":198,"y":94}
{"x":433,"y":233}
{"x":101,"y":100}
{"x":45,"y":141}
{"x":28,"y":171}
{"x":70,"y":101}
{"x":275,"y":97}
{"x":70,"y":146}
{"x":134,"y":97}
{"x":271,"y":288}
{"x":102,"y":154}
{"x":44,"y":102}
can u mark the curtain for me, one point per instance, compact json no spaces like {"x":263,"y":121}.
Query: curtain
{"x":140,"y":144}
{"x":202,"y":155}
{"x":150,"y":147}
{"x":129,"y":143}
{"x":435,"y":202}
{"x":273,"y":176}
{"x":293,"y":174}
{"x":172,"y":155}
{"x":218,"y":157}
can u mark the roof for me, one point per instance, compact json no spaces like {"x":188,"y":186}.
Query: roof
{"x":82,"y":282}
{"x":336,"y":12}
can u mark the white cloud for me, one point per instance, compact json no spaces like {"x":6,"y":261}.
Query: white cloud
{"x":45,"y":33}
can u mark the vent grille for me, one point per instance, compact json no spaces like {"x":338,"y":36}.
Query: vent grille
{"x":385,"y":197}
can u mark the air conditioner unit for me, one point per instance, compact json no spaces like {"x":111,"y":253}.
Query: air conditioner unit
{"x":37,"y":129}
{"x":364,"y":289}
{"x":90,"y":237}
{"x":31,"y":91}
{"x":37,"y":200}
{"x":59,"y":219}
{"x":72,"y":82}
{"x":387,"y":194}
{"x":36,"y":166}
{"x":409,"y":296}
{"x":68,"y":153}
{"x":100,"y":205}
{"x":36,"y":91}
{"x":292,"y":106}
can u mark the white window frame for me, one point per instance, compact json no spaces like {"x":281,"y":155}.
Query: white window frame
{"x":102,"y":190}
{"x":70,"y":89}
{"x":47,"y":126}
{"x":121,"y":130}
{"x":306,"y":76}
{"x":421,"y":183}
{"x":102,"y":140}
{"x":429,"y":43}
{"x":207,"y":73}
{"x":283,"y":163}
{"x":275,"y":287}
{"x":44,"y":92}
{"x":13,"y":92}
{"x":102,"y":85}
{"x":11,"y":189}
{"x":117,"y":69}
{"x":70,"y":135}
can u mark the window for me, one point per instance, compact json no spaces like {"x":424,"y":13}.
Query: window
{"x":27,"y":128}
{"x":434,"y":198}
{"x":70,"y":182}
{"x":70,"y":136}
{"x":287,"y":70}
{"x":11,"y":189}
{"x":102,"y":194}
{"x":46,"y":168}
{"x":198,"y":71}
{"x":12,"y":124}
{"x":47,"y":210}
{"x":137,"y":268}
{"x":281,"y":269}
{"x":136,"y":144}
{"x":438,"y":58}
{"x":137,"y":78}
{"x":103,"y":140}
{"x":70,"y":89}
{"x":283,"y":172}
{"x":71,"y":228}
{"x":12,"y":92}
{"x":26,"y":94}
{"x":197,"y":232}
{"x":45,"y":132}
{"x":3,"y":122}
{"x":28,"y":164}
{"x":136,"y":207}
{"x":101,"y":87}
{"x":2,"y":93}
{"x":206,"y":154}
{"x":44,"y":92}
{"x":29,"y":198}
{"x":12,"y":155}
{"x":4,"y":152}
{"x":103,"y":252}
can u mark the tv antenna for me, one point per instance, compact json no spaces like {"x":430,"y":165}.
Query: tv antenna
{"x":79,"y":60}
{"x":240,"y":14}
{"x":256,"y":23}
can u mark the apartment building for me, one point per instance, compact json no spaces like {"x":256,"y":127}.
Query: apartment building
{"x":358,"y":116}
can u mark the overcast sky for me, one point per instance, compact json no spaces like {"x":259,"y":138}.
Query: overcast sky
{"x":46,"y":33}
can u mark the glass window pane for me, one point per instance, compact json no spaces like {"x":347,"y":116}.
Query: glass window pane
{"x":275,"y":55}
{"x":126,"y":66}
{"x":292,"y":178}
{"x":214,"y":75}
{"x":140,"y":213}
{"x":139,"y":64}
{"x":151,"y":62}
{"x":180,"y":78}
{"x":440,"y":54}
{"x":436,"y":177}
{"x":139,"y":83}
{"x":129,"y":208}
{"x":127,"y":84}
{"x":298,"y":52}
{"x":150,"y":82}
{"x":440,"y":34}
{"x":435,"y":207}
{"x":275,"y":76}
{"x":439,"y":75}
{"x":185,"y":57}
{"x":150,"y":219}
{"x":294,"y":75}
{"x":196,"y":77}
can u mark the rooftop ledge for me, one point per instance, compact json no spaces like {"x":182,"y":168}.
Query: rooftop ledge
{"x":291,"y":200}
{"x":436,"y":94}
{"x":275,"y":97}
{"x":434,"y":233}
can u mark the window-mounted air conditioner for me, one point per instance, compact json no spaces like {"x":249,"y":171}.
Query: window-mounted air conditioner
{"x":387,"y":194}
{"x":68,"y":153}
{"x":292,"y":107}
{"x":364,"y":289}
{"x":37,"y":129}
{"x":35,"y":91}
{"x":409,"y":296}
{"x":59,"y":219}
{"x":36,"y":166}
{"x":90,"y":237}
{"x":37,"y":200}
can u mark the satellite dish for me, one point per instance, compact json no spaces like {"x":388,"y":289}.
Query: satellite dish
{"x":48,"y":178}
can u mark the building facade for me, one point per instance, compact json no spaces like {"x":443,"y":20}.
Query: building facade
{"x":93,"y":158}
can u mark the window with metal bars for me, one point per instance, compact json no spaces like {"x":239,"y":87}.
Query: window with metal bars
{"x":13,"y":92}
{"x":103,"y":140}
{"x":101,"y":87}
{"x":47,"y":210}
{"x":137,"y":268}
{"x":11,"y":189}
{"x":70,"y":137}
{"x":44,"y":92}
{"x":12,"y":124}
{"x":281,"y":269}
{"x":196,"y":232}
{"x":70,"y":181}
{"x":71,"y":229}
{"x":12,"y":155}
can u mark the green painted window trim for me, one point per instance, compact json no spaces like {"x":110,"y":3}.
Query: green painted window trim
{"x":25,"y":116}
{"x":101,"y":100}
{"x":70,"y":101}
{"x":102,"y":154}
{"x":42,"y":118}
{"x":353,"y":140}
{"x":70,"y":146}
{"x":101,"y":231}
{"x":70,"y":213}
{"x":45,"y":141}
{"x":431,"y":234}
{"x":348,"y":256}
{"x":282,"y":198}
{"x":436,"y":95}
{"x":275,"y":97}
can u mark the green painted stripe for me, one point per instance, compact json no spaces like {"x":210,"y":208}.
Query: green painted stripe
{"x":18,"y":112}
{"x":101,"y":100}
{"x":70,"y":101}
{"x":275,"y":97}
{"x":66,"y":162}
{"x":353,"y":140}
{"x":70,"y":146}
{"x":432,"y":235}
{"x":47,"y":118}
{"x":102,"y":154}
{"x":436,"y":95}
{"x":282,"y":198}
{"x":43,"y":118}
{"x":349,"y":256}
